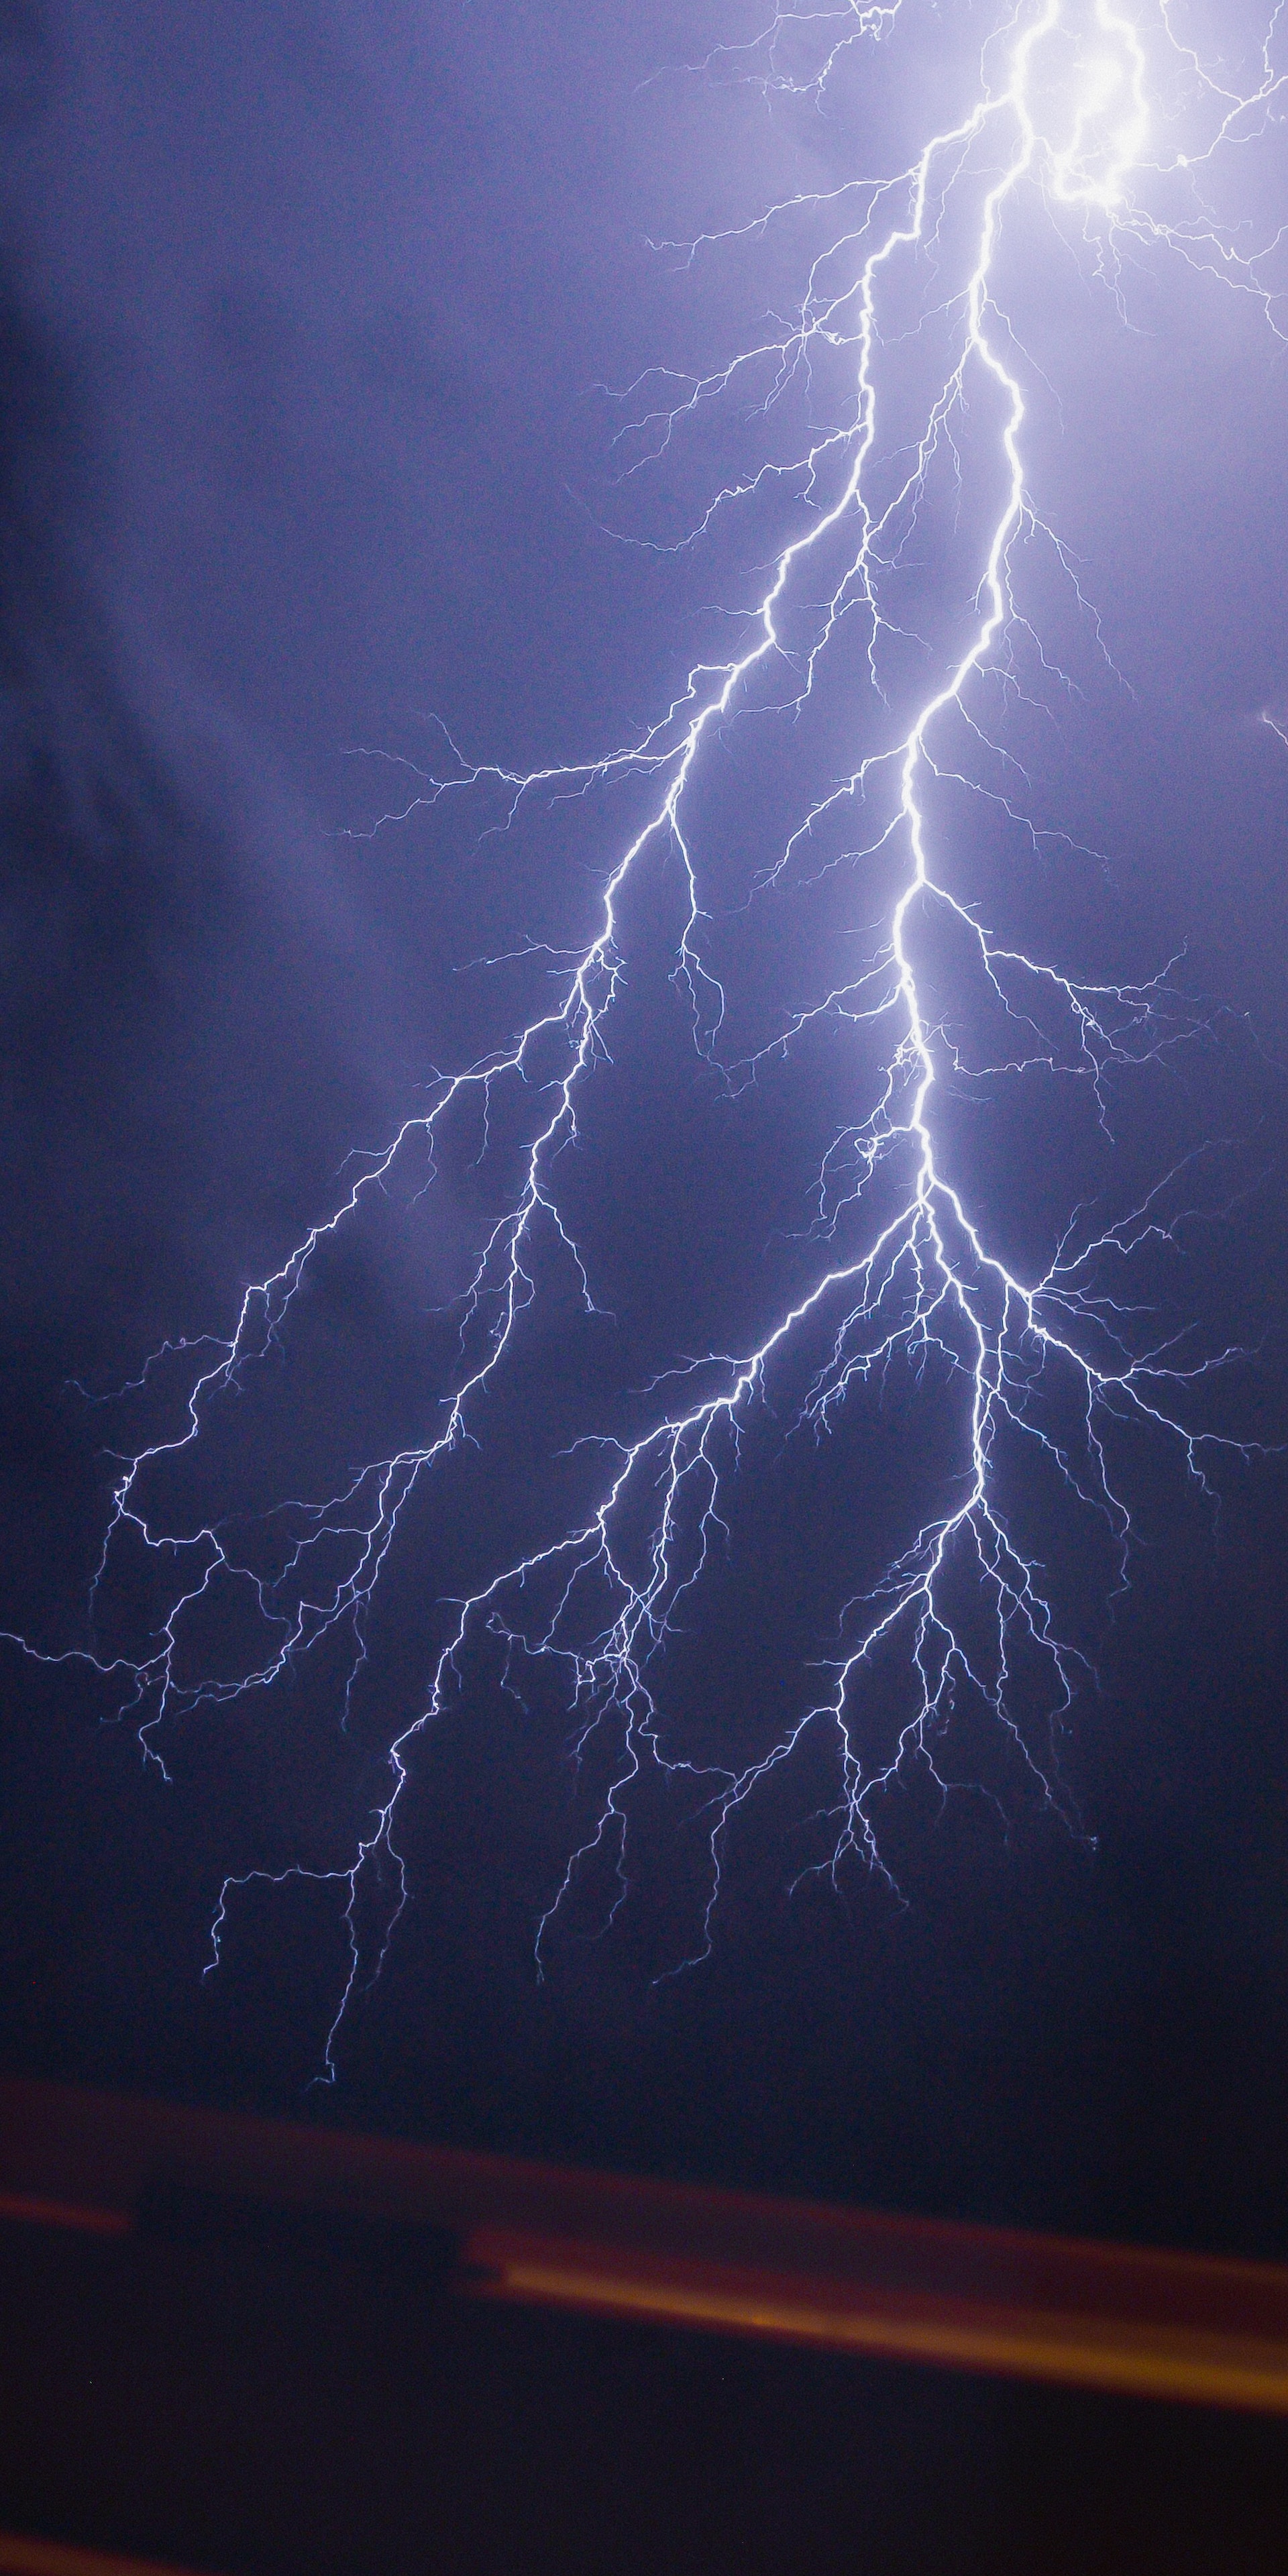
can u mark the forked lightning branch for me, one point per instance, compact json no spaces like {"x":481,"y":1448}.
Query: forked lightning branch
{"x":1101,"y":135}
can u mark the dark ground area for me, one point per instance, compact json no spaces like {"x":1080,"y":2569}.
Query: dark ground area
{"x":277,"y":2416}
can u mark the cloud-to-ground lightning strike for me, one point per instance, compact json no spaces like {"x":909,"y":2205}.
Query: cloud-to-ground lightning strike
{"x":1076,"y":126}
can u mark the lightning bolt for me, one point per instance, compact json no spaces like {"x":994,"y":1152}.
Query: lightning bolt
{"x":1040,"y":1374}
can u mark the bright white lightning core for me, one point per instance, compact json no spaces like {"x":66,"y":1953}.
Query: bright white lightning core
{"x":906,"y":359}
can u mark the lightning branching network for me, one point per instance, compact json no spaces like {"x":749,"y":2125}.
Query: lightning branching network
{"x":1103,"y":130}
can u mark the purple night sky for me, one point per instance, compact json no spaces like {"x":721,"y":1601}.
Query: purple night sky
{"x":308,"y":316}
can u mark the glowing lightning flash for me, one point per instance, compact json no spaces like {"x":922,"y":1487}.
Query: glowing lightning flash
{"x":1050,"y":1364}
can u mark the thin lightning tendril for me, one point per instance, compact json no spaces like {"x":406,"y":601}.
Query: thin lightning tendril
{"x":1054,"y":1365}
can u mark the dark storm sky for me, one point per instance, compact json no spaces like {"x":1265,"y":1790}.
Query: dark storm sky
{"x":301,"y":306}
